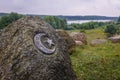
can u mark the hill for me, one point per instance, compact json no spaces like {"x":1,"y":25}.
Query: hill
{"x":3,"y":14}
{"x":89,"y":17}
{"x":81,"y":17}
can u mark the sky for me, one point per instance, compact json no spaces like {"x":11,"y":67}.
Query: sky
{"x":62,"y":7}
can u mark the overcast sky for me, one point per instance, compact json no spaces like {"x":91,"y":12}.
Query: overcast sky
{"x":62,"y":7}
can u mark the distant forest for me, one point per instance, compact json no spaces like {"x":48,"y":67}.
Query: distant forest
{"x":88,"y":18}
{"x":74,"y":17}
{"x":3,"y":14}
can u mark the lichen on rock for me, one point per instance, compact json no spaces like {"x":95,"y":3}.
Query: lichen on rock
{"x":21,"y":59}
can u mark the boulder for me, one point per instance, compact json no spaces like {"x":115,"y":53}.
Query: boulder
{"x":69,"y":41}
{"x":98,"y":42}
{"x":30,"y":49}
{"x":79,"y":36}
{"x":115,"y":39}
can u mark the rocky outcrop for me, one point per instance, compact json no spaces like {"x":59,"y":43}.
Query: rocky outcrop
{"x":69,"y":41}
{"x":78,"y":36}
{"x":30,"y":49}
{"x":115,"y":39}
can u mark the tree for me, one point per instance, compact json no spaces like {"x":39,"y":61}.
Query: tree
{"x":56,"y":22}
{"x":118,"y":19}
{"x":6,"y":20}
{"x":110,"y":30}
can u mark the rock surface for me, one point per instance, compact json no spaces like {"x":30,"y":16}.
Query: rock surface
{"x":98,"y":42}
{"x":115,"y":39}
{"x":78,"y":36}
{"x":79,"y":43}
{"x":69,"y":41}
{"x":0,"y":31}
{"x":30,"y":49}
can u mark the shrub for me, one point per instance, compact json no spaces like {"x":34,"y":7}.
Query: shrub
{"x":110,"y":30}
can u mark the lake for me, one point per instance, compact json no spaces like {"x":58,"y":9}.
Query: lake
{"x":85,"y":21}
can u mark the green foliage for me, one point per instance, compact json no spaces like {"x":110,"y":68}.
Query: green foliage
{"x":83,"y":31}
{"x":97,"y":63}
{"x":6,"y":20}
{"x":56,"y":22}
{"x":118,"y":28}
{"x":87,"y":26}
{"x":118,"y":20}
{"x":110,"y":30}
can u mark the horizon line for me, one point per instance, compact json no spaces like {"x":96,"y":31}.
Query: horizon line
{"x":56,"y":14}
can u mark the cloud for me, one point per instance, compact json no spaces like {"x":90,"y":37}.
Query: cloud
{"x":65,"y":7}
{"x":115,"y":4}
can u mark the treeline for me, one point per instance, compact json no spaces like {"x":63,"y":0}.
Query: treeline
{"x":88,"y":18}
{"x":74,"y":17}
{"x":7,"y":19}
{"x":56,"y":22}
{"x":86,"y":26}
{"x":111,"y":28}
{"x":3,"y":14}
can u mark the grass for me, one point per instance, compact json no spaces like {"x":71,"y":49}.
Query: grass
{"x":97,"y":63}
